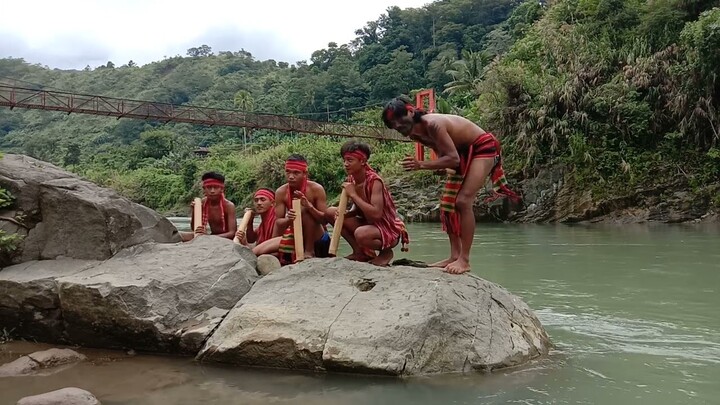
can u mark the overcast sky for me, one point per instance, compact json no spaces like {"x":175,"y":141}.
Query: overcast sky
{"x":71,"y":34}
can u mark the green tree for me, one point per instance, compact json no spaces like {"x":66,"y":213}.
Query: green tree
{"x":467,"y":73}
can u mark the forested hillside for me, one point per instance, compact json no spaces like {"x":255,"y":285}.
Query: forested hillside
{"x":622,"y":93}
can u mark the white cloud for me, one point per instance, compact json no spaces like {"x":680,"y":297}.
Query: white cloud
{"x":75,"y":33}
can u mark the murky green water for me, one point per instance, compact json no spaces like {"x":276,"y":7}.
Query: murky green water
{"x":633,"y":310}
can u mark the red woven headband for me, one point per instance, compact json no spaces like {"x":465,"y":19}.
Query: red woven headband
{"x":266,"y":194}
{"x":213,"y":182}
{"x":357,"y":154}
{"x":390,"y":114}
{"x":296,"y":165}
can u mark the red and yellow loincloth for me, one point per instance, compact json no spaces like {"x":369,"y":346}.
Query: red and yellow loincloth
{"x":485,"y":146}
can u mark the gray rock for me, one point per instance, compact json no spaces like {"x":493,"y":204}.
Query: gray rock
{"x":267,"y":264}
{"x":148,"y":296}
{"x":46,"y":359}
{"x":63,"y":215}
{"x":335,"y":314}
{"x":64,"y":396}
{"x":151,"y":297}
{"x":29,"y":297}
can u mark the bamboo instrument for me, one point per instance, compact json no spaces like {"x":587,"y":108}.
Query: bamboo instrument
{"x":197,"y":214}
{"x":243,"y":224}
{"x":337,"y":228}
{"x":298,"y":231}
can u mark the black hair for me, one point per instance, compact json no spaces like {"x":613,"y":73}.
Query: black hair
{"x":296,"y":158}
{"x":353,"y":145}
{"x":398,"y":107}
{"x":214,"y":176}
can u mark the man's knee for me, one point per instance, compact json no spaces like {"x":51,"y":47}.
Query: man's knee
{"x":361,"y":235}
{"x":464,"y":202}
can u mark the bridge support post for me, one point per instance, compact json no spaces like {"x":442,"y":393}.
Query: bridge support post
{"x":420,"y":98}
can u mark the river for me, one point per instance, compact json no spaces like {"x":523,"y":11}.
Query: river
{"x":632,"y":310}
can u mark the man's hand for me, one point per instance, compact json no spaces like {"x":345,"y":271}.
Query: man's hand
{"x":200,"y":230}
{"x":303,"y":199}
{"x":290,"y":214}
{"x":410,"y":163}
{"x":240,"y":234}
{"x":350,"y":189}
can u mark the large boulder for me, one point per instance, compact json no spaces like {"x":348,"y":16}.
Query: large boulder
{"x":335,"y":314}
{"x":30,"y":297}
{"x":150,"y":297}
{"x":61,"y":215}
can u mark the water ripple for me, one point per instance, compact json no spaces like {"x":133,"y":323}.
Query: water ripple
{"x":620,"y":335}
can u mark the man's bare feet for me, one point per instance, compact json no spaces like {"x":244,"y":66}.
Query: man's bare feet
{"x":459,"y":266}
{"x":443,"y":263}
{"x":358,"y":257}
{"x":383,"y":259}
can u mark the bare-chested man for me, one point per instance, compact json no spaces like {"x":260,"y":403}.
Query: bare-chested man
{"x":217,"y":211}
{"x":263,"y":235}
{"x":314,"y":206}
{"x":373,"y":222}
{"x":463,"y":147}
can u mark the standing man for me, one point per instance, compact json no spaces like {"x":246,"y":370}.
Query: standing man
{"x":461,"y":146}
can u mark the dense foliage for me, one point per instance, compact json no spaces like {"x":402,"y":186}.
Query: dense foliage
{"x":623,"y":92}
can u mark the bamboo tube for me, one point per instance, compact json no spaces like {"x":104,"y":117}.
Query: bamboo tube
{"x":197,"y":213}
{"x":337,"y":228}
{"x":298,"y":231}
{"x":243,"y":224}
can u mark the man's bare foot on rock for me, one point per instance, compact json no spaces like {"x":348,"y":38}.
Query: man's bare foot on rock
{"x":383,"y":259}
{"x":358,"y":257}
{"x":459,"y":266}
{"x":443,"y":263}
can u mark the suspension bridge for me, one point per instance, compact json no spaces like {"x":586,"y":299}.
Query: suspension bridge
{"x":50,"y":100}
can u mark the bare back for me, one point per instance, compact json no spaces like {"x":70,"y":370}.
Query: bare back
{"x":462,"y":131}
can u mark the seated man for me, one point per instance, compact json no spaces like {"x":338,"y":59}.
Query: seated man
{"x":373,"y":223}
{"x":263,"y":236}
{"x":314,"y":205}
{"x":217,"y":211}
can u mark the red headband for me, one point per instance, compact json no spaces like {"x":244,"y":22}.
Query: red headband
{"x":296,"y":165}
{"x":265,"y":193}
{"x":213,"y":182}
{"x":357,"y":154}
{"x":390,"y":114}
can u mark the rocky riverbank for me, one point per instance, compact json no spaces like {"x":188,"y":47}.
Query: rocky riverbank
{"x":554,"y":196}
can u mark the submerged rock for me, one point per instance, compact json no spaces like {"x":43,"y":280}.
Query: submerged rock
{"x":64,"y":396}
{"x":335,"y":314}
{"x":45,"y":360}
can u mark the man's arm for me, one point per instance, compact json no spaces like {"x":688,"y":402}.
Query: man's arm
{"x":373,"y":211}
{"x":448,"y":157}
{"x":230,"y":222}
{"x":250,"y":233}
{"x":281,"y":223}
{"x":318,"y":206}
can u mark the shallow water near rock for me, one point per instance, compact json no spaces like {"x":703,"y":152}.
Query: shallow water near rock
{"x":632,"y":311}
